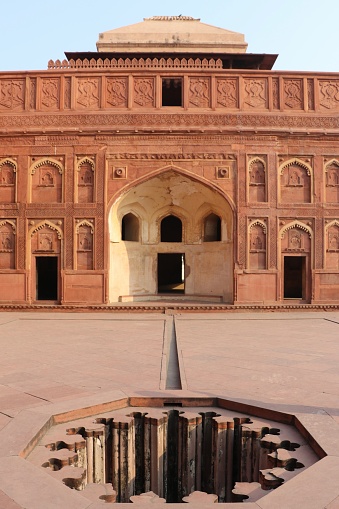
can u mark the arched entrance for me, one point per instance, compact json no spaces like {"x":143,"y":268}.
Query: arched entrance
{"x":296,"y":261}
{"x":45,"y":261}
{"x":171,"y":255}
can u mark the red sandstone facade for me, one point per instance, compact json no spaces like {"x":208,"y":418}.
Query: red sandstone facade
{"x":103,"y":172}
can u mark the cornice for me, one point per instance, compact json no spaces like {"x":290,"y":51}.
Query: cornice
{"x":172,"y":122}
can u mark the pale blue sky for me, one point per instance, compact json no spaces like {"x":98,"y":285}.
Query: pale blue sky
{"x":303,"y":32}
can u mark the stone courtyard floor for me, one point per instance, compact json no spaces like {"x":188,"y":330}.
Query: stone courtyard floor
{"x":284,"y":361}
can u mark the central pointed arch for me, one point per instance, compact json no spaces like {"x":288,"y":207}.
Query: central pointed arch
{"x":171,"y":196}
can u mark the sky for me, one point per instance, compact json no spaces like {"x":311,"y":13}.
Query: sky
{"x":303,"y":32}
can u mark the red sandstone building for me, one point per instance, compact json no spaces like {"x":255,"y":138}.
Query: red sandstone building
{"x":169,"y":163}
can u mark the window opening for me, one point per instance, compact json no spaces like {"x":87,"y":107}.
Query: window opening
{"x":171,"y":92}
{"x":212,"y":228}
{"x":171,"y":229}
{"x":130,"y":228}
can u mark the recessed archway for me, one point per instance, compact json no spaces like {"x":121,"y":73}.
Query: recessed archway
{"x":168,"y":205}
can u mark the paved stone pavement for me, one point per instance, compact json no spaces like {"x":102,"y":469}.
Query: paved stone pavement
{"x":288,"y":361}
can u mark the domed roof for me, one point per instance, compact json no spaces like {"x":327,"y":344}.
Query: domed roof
{"x":175,"y":34}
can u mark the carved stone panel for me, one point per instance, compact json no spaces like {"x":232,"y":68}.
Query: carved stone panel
{"x":84,"y":246}
{"x":256,"y":96}
{"x":273,"y":245}
{"x":296,"y":239}
{"x":332,"y":182}
{"x":67,"y":93}
{"x":257,"y":246}
{"x":87,"y":96}
{"x":310,"y":94}
{"x":7,"y":245}
{"x":199,"y":92}
{"x":116,"y":92}
{"x":329,"y":94}
{"x":227,"y":92}
{"x":85,"y":181}
{"x":12,"y":94}
{"x":293,"y":94}
{"x":50,"y":93}
{"x":47,"y":183}
{"x":257,"y":180}
{"x":45,"y":240}
{"x":144,"y":95}
{"x":32,"y":93}
{"x":7,"y":181}
{"x":332,"y":246}
{"x":276,"y":93}
{"x":295,"y":184}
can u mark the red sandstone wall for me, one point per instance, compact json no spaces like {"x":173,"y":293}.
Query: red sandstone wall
{"x":73,"y":139}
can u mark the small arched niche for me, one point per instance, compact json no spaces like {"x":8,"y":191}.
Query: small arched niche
{"x":85,"y":181}
{"x":257,"y":246}
{"x":332,"y":245}
{"x":295,"y":182}
{"x":212,"y":228}
{"x":130,"y":228}
{"x":7,"y":245}
{"x":85,"y":257}
{"x":257,"y":180}
{"x":7,"y":181}
{"x":332,"y":181}
{"x":171,"y":229}
{"x":47,"y":181}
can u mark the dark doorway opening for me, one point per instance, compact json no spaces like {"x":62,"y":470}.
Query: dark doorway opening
{"x":171,"y":92}
{"x":171,"y":277}
{"x":294,"y":277}
{"x":47,"y":278}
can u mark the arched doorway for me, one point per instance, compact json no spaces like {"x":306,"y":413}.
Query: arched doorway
{"x":172,"y":253}
{"x":296,"y":258}
{"x":45,"y":261}
{"x":171,"y":266}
